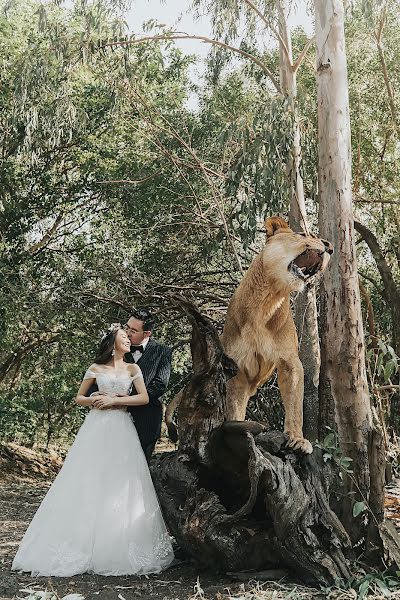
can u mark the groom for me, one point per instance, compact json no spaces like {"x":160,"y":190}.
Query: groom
{"x":154,"y":360}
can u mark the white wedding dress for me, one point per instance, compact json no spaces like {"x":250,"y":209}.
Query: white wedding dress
{"x":101,"y":515}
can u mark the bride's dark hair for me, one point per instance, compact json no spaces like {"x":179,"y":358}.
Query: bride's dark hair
{"x":105,"y":350}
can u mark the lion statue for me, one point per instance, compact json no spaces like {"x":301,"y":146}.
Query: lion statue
{"x":259,"y":332}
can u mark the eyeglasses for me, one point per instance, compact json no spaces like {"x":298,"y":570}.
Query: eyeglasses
{"x":131,"y":329}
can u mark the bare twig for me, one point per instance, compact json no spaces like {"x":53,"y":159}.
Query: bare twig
{"x":387,"y":387}
{"x":130,"y":181}
{"x":302,"y":55}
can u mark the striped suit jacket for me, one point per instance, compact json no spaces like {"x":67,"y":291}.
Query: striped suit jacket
{"x":155,"y":364}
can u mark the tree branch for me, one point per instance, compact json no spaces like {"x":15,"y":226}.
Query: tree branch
{"x":107,"y":300}
{"x":387,"y":387}
{"x":47,"y":236}
{"x":216,"y":192}
{"x":269,"y":26}
{"x":384,"y":270}
{"x":375,"y":284}
{"x":302,"y":55}
{"x":202,"y":38}
{"x":130,"y":181}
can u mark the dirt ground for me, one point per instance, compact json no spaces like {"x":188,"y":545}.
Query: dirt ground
{"x":18,"y":503}
{"x":25,"y":477}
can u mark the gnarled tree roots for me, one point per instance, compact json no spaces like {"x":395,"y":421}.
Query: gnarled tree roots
{"x":255,"y":505}
{"x":233,"y":495}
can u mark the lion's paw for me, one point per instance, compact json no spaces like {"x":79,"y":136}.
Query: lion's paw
{"x":300,"y":443}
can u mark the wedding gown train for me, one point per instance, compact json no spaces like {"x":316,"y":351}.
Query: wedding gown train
{"x":101,"y":514}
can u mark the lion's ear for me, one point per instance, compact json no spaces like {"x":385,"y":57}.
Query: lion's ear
{"x":275,"y":225}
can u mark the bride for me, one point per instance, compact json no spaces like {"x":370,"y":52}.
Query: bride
{"x":101,"y":514}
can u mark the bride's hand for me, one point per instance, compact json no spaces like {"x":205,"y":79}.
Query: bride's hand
{"x":102,"y":402}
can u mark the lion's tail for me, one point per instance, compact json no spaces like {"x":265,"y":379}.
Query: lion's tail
{"x":172,"y":406}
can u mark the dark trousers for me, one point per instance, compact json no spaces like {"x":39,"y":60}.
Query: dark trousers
{"x":148,"y":450}
{"x":147,"y":421}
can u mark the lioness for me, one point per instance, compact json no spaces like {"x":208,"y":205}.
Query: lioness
{"x":259,"y":332}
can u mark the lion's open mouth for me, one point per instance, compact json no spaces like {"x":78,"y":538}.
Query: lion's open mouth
{"x":307,"y":264}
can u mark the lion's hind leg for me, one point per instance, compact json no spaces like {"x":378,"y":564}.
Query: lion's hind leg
{"x":238,"y":393}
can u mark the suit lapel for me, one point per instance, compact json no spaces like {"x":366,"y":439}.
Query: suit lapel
{"x":149,"y":352}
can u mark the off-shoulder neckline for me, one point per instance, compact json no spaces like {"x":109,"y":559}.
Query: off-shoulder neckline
{"x":113,"y":370}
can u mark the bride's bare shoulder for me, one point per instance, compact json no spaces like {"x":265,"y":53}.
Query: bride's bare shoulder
{"x":133,"y":369}
{"x":95,"y":368}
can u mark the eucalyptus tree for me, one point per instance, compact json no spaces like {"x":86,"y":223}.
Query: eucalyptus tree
{"x":374,"y":159}
{"x":344,"y":386}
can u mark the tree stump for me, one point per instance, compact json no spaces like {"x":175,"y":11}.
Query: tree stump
{"x":234,"y":497}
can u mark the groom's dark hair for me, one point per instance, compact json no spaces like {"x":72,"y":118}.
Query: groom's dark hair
{"x":142,"y":314}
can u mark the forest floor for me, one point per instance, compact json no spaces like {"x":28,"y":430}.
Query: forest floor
{"x":25,"y":476}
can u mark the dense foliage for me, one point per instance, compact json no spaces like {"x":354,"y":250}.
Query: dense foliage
{"x":114,"y":193}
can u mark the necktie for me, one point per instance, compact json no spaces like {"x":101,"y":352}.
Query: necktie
{"x":137,"y":349}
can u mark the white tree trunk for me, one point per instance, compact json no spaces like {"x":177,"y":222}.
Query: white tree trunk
{"x":289,"y":88}
{"x":305,"y":306}
{"x":343,"y":373}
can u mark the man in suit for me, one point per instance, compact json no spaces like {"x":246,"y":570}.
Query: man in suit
{"x":154,"y":360}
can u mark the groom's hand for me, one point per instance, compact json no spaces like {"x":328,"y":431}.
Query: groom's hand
{"x":96,"y":396}
{"x":102,"y":401}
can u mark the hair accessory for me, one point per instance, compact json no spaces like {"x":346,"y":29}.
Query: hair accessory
{"x":112,"y":329}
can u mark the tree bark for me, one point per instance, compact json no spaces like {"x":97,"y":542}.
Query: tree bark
{"x":234,"y":497}
{"x":305,"y":306}
{"x":344,"y":381}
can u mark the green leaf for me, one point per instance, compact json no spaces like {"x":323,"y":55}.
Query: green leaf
{"x":389,"y":369}
{"x":383,"y":587}
{"x":363,"y":589}
{"x":345,"y":462}
{"x":382,"y":347}
{"x":328,"y":439}
{"x":358,"y":508}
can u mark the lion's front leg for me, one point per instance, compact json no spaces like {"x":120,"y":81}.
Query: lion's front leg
{"x":237,"y":397}
{"x":291,"y":386}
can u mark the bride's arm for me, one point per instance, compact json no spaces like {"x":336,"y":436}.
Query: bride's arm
{"x":86,"y":384}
